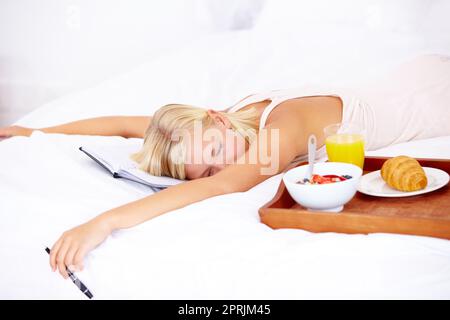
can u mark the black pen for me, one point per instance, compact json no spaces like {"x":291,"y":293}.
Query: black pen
{"x":76,"y":281}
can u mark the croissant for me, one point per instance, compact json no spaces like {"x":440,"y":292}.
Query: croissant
{"x":404,"y":173}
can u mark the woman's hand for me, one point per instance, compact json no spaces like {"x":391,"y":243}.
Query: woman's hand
{"x":71,"y":248}
{"x":11,"y":131}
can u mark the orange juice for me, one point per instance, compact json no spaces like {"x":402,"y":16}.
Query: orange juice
{"x":346,"y":147}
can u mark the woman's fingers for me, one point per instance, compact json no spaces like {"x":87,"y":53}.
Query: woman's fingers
{"x":68,"y":260}
{"x":54,"y":252}
{"x":61,"y":257}
{"x":79,"y":257}
{"x":5,"y":132}
{"x":73,"y":245}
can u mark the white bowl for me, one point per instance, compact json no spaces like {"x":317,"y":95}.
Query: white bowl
{"x":329,"y":197}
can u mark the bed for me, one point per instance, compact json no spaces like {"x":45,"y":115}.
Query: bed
{"x":216,"y":248}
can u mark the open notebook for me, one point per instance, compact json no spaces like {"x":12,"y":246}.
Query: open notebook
{"x":116,"y":160}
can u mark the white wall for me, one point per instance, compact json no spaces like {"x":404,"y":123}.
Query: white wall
{"x":52,"y":47}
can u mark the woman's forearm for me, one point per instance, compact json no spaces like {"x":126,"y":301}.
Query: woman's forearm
{"x":102,"y":126}
{"x":172,"y":198}
{"x":70,"y":249}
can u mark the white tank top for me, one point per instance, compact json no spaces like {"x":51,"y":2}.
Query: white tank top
{"x":277,"y":97}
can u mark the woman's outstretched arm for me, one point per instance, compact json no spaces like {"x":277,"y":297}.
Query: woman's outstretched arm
{"x":70,"y":249}
{"x":125,"y":126}
{"x":74,"y":244}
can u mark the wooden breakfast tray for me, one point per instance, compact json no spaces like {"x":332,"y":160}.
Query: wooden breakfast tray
{"x":425,"y":215}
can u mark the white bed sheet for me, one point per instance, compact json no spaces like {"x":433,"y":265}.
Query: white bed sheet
{"x":216,"y":248}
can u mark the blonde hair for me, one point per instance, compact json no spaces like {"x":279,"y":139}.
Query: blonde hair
{"x":160,"y":155}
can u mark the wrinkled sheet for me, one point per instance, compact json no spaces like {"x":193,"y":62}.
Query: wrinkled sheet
{"x":216,"y":248}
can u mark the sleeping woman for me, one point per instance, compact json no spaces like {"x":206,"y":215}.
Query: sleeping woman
{"x":232,"y":150}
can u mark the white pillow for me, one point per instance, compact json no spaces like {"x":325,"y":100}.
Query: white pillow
{"x":332,"y":41}
{"x":231,"y":14}
{"x":397,"y":16}
{"x":436,"y":19}
{"x":436,"y":27}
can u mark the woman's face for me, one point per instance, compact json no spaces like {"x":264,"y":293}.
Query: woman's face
{"x":209,"y":151}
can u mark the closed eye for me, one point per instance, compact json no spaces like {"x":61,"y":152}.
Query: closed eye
{"x":220,"y":148}
{"x":215,"y":152}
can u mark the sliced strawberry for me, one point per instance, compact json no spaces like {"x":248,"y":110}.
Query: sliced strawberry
{"x":316,"y":178}
{"x":340,"y":178}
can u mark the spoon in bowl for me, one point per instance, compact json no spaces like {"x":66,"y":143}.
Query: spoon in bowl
{"x":311,"y":156}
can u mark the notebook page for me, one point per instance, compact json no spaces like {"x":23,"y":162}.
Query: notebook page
{"x":156,"y":181}
{"x":128,"y":176}
{"x":116,"y":156}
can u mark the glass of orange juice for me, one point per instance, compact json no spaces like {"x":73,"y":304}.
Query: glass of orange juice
{"x":345,"y":143}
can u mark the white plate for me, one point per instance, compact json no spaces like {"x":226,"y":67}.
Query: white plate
{"x":374,"y":185}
